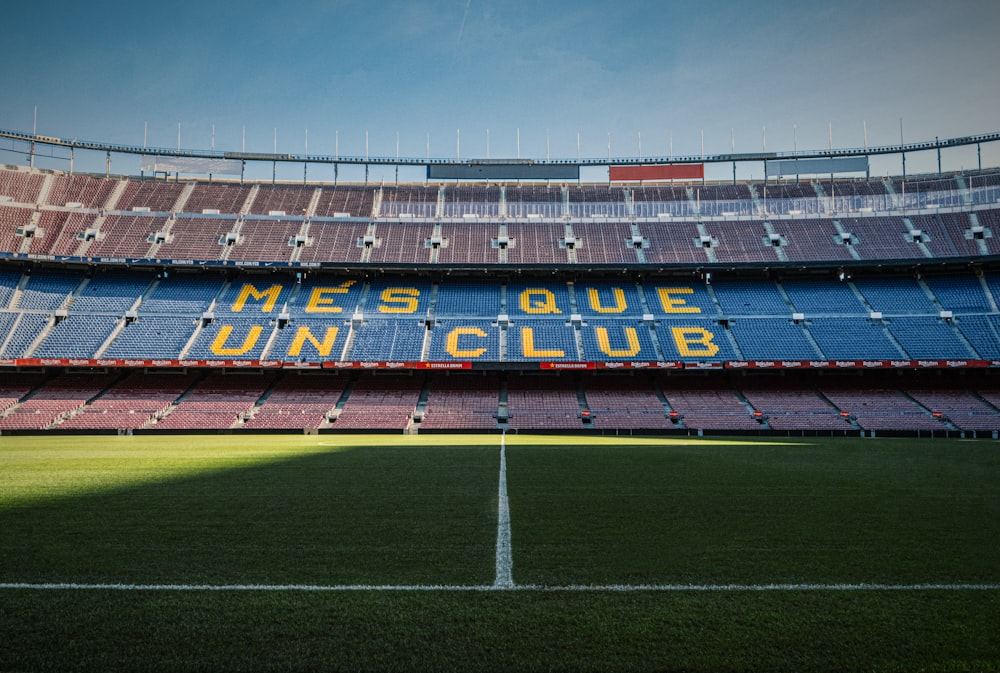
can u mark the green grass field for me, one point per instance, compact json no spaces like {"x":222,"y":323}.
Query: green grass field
{"x":374,"y":553}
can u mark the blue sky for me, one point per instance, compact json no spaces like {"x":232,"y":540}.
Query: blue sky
{"x":449,"y":73}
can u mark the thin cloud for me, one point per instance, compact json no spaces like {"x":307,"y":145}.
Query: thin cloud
{"x":461,"y":28}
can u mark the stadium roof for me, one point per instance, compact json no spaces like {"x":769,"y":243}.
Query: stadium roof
{"x":743,"y":157}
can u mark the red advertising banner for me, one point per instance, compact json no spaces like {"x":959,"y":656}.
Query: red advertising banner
{"x":466,"y":365}
{"x":654,"y":172}
{"x":638,"y":365}
{"x":567,"y":365}
{"x":442,"y":365}
{"x":859,"y":364}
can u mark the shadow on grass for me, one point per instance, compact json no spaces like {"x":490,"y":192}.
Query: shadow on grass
{"x":392,"y":515}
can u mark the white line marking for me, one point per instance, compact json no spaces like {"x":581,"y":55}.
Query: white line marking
{"x":579,"y":588}
{"x":626,"y":588}
{"x":505,"y":561}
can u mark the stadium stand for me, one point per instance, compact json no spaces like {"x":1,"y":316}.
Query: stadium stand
{"x":298,"y":401}
{"x":401,"y":243}
{"x":604,"y":243}
{"x":462,"y":403}
{"x":536,"y":403}
{"x":379,"y":402}
{"x":217,"y":402}
{"x":328,"y":241}
{"x":55,"y":400}
{"x":80,"y":189}
{"x":132,"y":403}
{"x":157,"y":196}
{"x":117,"y":275}
{"x":346,"y":201}
{"x":625,"y":404}
{"x":201,"y":238}
{"x":21,"y":186}
{"x":217,"y":198}
{"x":265,"y":240}
{"x":709,"y":404}
{"x":875,"y":408}
{"x":795,"y":407}
{"x":471,"y":243}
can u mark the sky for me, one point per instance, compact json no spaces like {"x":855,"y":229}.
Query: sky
{"x":501,"y":78}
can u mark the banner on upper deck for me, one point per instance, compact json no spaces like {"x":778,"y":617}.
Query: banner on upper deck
{"x":156,"y":164}
{"x":502,"y":171}
{"x":778,"y":168}
{"x":657,"y":172}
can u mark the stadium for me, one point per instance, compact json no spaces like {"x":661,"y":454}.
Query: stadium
{"x":501,"y":418}
{"x":502,"y":296}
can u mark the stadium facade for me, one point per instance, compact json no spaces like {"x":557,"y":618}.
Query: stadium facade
{"x":502,"y":295}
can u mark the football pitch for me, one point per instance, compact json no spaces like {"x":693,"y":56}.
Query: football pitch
{"x":486,"y":553}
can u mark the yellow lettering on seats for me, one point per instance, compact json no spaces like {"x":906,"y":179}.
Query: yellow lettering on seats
{"x":595,"y":301}
{"x":318,"y":303}
{"x":219,"y":345}
{"x":528,"y":346}
{"x":249,"y":291}
{"x":672,"y":304}
{"x":686,"y":337}
{"x":452,"y":344}
{"x":547,"y":303}
{"x":605,"y":343}
{"x":405,"y":296}
{"x":304,"y":334}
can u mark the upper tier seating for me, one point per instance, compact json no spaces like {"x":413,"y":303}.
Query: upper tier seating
{"x":410,"y":201}
{"x":13,"y":220}
{"x":670,"y":225}
{"x":333,"y":241}
{"x":401,"y":243}
{"x":196,"y":238}
{"x":350,"y":201}
{"x":265,"y":240}
{"x":292,"y":200}
{"x":743,"y":241}
{"x":21,"y":186}
{"x":91,"y":192}
{"x":224,"y":198}
{"x":535,"y":243}
{"x":468,"y":242}
{"x":159,"y":197}
{"x":61,"y":233}
{"x":812,"y":240}
{"x":126,"y":236}
{"x":604,"y":243}
{"x":478,"y":200}
{"x":673,"y":243}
